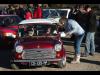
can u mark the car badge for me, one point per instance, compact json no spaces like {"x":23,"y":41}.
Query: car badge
{"x":38,"y":46}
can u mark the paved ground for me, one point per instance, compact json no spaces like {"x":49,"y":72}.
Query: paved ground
{"x":91,"y":63}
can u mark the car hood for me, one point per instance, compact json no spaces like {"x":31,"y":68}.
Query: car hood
{"x":29,"y":43}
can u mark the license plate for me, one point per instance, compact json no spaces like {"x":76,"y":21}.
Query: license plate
{"x":38,"y":63}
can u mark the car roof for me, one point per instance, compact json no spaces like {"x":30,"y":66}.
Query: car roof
{"x":45,"y":21}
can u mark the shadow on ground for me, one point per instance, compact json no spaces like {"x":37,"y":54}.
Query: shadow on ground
{"x":90,"y":61}
{"x":4,"y":58}
{"x":69,"y":59}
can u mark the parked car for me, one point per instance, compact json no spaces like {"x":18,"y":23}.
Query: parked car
{"x":38,"y":43}
{"x":8,"y":28}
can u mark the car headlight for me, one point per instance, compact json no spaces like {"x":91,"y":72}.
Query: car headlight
{"x":19,"y":49}
{"x":10,"y":34}
{"x":58,"y":47}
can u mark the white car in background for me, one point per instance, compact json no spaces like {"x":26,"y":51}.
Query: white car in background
{"x":55,"y":13}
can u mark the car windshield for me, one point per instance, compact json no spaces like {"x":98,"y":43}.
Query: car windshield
{"x":9,"y":20}
{"x":37,"y":30}
{"x":47,"y":13}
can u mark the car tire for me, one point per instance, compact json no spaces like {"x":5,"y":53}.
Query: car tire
{"x":62,"y":63}
{"x":14,"y":66}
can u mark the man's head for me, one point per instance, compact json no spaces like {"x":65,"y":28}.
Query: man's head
{"x":31,"y":5}
{"x":81,"y":9}
{"x":39,"y":5}
{"x":87,"y":8}
{"x":21,"y":6}
{"x":49,"y":30}
{"x":62,"y":20}
{"x":30,"y":33}
{"x":45,"y":6}
{"x":17,"y":7}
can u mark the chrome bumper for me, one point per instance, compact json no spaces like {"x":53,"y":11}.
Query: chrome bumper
{"x":35,"y":60}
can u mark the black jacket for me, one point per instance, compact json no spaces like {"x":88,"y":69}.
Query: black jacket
{"x":71,"y":15}
{"x":21,"y":13}
{"x":81,"y":19}
{"x":91,"y":22}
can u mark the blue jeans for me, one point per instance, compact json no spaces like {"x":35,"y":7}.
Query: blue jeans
{"x":77,"y":43}
{"x":90,"y":44}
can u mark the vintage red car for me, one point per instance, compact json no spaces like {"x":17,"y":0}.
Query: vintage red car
{"x":8,"y":28}
{"x":38,"y":43}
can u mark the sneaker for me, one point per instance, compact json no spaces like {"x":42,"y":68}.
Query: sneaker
{"x":75,"y":62}
{"x":92,"y":54}
{"x":84,"y":54}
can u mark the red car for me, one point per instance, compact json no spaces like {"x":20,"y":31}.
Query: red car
{"x":38,"y":43}
{"x":8,"y":28}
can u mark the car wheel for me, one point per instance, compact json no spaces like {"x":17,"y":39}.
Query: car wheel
{"x":14,"y":66}
{"x":62,"y":63}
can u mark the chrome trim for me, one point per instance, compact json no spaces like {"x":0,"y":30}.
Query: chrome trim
{"x":38,"y":53}
{"x":40,"y":49}
{"x":36,"y":60}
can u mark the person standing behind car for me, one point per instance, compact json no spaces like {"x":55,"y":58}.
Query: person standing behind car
{"x":73,"y":13}
{"x":80,"y":17}
{"x":31,"y":8}
{"x":37,"y":11}
{"x":28,"y":14}
{"x":17,"y":10}
{"x":11,"y":10}
{"x":45,"y":6}
{"x":73,"y":28}
{"x":91,"y":25}
{"x":21,"y":11}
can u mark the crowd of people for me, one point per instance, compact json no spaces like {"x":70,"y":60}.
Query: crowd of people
{"x":81,"y":23}
{"x":25,"y":12}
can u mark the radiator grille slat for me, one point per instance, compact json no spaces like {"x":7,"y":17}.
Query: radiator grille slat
{"x":39,"y":53}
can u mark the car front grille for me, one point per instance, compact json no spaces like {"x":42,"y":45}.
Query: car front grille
{"x":38,"y":54}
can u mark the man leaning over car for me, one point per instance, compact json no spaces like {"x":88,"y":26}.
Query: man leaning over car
{"x":72,"y":27}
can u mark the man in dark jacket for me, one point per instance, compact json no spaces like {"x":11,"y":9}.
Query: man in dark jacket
{"x":73,"y":12}
{"x":91,"y":29}
{"x":21,"y":12}
{"x":80,"y":17}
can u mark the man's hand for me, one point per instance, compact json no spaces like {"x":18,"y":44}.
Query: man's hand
{"x":68,"y":35}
